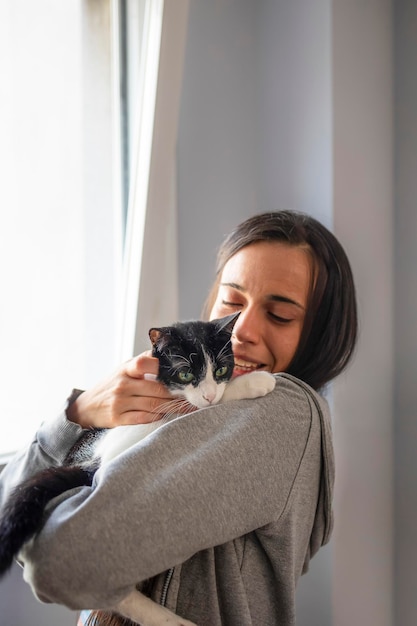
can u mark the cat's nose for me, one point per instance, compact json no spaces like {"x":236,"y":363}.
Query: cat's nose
{"x":209,"y":396}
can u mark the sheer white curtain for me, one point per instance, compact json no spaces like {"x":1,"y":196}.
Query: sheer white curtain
{"x":150,"y":263}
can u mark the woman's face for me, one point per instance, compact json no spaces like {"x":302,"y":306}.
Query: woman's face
{"x":268,"y":282}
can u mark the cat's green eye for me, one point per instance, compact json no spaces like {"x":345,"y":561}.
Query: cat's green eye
{"x":222,"y":371}
{"x":185,"y":376}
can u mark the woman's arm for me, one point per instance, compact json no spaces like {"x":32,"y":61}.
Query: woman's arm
{"x":126,"y":397}
{"x":198,"y":481}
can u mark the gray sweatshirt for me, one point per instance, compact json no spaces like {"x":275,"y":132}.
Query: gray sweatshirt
{"x":224,"y":507}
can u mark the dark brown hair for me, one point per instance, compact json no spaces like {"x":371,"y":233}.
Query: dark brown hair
{"x":330,"y":327}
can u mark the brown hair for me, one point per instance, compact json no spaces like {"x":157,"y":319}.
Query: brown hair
{"x":330,"y":328}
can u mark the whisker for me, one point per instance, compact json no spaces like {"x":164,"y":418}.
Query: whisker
{"x":224,"y":349}
{"x":181,"y":358}
{"x":179,"y":366}
{"x":171,"y":409}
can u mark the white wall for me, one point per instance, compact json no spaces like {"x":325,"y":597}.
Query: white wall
{"x":294,"y":106}
{"x":363,"y":398}
{"x":405,"y":298}
{"x":217,"y":139}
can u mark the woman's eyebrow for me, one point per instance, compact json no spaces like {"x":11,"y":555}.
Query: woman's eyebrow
{"x":272,"y":297}
{"x":233,"y":286}
{"x":286,"y":300}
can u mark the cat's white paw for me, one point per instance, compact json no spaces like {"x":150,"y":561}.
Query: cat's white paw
{"x":253,"y":385}
{"x":260,"y":383}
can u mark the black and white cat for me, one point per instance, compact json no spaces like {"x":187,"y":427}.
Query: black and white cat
{"x":196,"y":364}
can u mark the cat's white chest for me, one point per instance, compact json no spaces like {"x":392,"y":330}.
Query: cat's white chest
{"x":121,"y":438}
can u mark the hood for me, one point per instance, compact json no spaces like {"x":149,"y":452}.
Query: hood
{"x":323,"y":521}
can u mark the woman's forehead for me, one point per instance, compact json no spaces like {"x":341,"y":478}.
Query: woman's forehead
{"x":276,"y":269}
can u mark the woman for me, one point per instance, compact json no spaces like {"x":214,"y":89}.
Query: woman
{"x":223,"y":513}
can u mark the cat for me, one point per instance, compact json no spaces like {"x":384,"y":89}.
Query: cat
{"x":196,"y":364}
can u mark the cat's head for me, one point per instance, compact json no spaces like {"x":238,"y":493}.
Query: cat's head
{"x":195,"y":358}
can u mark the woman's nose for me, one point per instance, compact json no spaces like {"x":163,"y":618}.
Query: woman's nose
{"x":247,"y":328}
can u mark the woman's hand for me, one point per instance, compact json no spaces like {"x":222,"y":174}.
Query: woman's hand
{"x":127,"y":397}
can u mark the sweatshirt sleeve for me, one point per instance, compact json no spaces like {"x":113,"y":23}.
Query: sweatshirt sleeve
{"x":49,"y":447}
{"x":197,"y":482}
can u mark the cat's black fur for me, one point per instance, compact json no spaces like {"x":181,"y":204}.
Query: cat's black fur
{"x":181,"y":350}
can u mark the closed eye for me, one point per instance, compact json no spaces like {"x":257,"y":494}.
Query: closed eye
{"x":281,"y":320}
{"x":230,"y":303}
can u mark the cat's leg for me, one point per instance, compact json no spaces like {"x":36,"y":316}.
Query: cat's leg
{"x":146,"y":612}
{"x":251,"y":385}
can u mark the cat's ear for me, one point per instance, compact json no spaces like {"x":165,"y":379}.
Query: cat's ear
{"x":154,"y":335}
{"x":226,"y":323}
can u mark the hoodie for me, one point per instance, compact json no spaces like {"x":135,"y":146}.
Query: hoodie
{"x":222,"y":509}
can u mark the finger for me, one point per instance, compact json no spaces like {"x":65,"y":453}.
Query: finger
{"x":128,"y":387}
{"x":138,"y":395}
{"x":142,"y":364}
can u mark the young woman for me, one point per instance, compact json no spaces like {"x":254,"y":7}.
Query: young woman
{"x":232,"y":506}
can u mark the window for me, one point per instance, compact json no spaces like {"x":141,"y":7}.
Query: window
{"x":85,"y":185}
